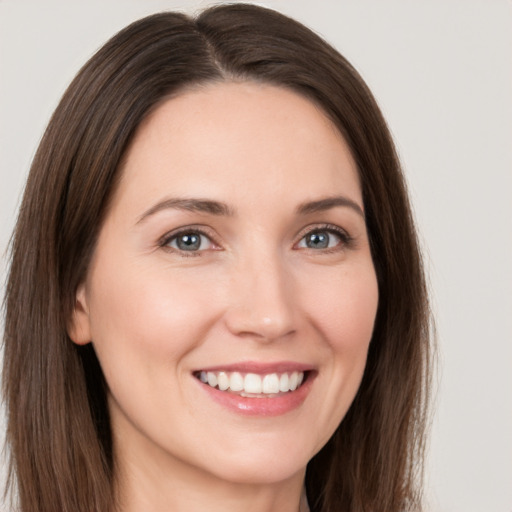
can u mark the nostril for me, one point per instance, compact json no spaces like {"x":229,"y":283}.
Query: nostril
{"x":249,"y":324}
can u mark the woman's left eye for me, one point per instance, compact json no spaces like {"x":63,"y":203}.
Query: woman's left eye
{"x":321,"y":239}
{"x":189,"y":241}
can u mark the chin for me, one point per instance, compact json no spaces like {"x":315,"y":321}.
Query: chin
{"x":266,"y":471}
{"x":263,"y":462}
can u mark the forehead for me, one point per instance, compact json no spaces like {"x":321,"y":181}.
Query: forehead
{"x":238,"y":139}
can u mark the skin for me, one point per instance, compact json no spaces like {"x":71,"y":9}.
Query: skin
{"x":254,"y":291}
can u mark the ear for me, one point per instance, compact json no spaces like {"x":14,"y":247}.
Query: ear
{"x":79,"y":329}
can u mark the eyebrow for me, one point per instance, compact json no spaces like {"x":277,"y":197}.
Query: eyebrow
{"x":328,"y":203}
{"x":222,"y":209}
{"x":189,"y":204}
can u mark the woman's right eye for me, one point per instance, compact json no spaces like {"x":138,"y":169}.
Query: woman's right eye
{"x":188,"y":241}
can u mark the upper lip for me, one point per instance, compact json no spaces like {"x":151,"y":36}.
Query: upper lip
{"x":260,"y":367}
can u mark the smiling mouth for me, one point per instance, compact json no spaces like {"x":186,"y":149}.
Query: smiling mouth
{"x":253,"y":385}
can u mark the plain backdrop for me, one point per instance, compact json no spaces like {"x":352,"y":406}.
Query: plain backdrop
{"x":442,"y":73}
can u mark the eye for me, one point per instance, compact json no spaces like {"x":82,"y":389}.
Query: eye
{"x":188,"y":241}
{"x":324,"y":238}
{"x":320,"y":240}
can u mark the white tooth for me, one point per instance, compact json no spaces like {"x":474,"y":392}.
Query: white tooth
{"x":223,"y":381}
{"x":271,"y":383}
{"x":203,"y":377}
{"x":212,"y":379}
{"x":283,"y":383}
{"x":294,"y":379}
{"x":236,"y":382}
{"x":252,"y":383}
{"x":301,"y":378}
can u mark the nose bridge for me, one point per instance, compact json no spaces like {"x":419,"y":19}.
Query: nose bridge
{"x":261,"y":302}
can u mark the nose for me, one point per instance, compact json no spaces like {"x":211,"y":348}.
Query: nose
{"x":262,"y":304}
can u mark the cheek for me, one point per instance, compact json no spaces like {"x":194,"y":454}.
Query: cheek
{"x":343,"y":307}
{"x":145,"y":320}
{"x":145,"y":313}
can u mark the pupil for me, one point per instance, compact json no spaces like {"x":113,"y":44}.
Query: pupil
{"x":189,"y":242}
{"x":318,"y":240}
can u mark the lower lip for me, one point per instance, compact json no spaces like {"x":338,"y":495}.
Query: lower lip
{"x":250,"y":406}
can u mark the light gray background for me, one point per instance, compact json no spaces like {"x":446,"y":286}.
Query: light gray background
{"x":442,"y":73}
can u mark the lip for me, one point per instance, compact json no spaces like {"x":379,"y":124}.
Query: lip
{"x":259,"y":368}
{"x":261,"y":406}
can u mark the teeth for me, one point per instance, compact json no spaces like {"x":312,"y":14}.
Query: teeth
{"x":283,"y":383}
{"x":223,"y":381}
{"x":252,"y":383}
{"x":271,"y":383}
{"x":236,"y":382}
{"x":294,"y":380}
{"x":212,"y":379}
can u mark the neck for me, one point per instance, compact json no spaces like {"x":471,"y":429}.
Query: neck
{"x":179,"y":487}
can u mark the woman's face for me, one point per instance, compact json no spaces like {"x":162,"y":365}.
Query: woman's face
{"x":234,"y":252}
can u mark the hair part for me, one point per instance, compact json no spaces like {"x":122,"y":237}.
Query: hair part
{"x":61,"y":454}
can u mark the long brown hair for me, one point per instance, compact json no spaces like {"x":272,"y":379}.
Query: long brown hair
{"x":58,"y":423}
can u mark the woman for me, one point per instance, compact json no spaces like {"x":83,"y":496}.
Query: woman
{"x":216,"y":297}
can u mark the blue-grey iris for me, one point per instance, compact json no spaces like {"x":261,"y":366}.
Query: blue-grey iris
{"x":189,"y":242}
{"x":317,"y":240}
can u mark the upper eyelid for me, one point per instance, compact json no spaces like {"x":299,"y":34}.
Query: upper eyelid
{"x":201,"y":230}
{"x":311,"y":228}
{"x":347,"y":241}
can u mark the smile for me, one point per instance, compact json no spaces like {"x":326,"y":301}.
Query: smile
{"x":258,"y":389}
{"x":252,"y":384}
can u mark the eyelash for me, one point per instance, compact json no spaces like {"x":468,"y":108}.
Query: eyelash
{"x":346,"y":240}
{"x":190,"y":230}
